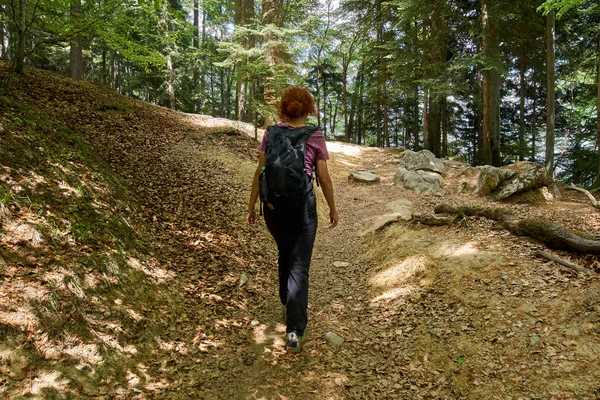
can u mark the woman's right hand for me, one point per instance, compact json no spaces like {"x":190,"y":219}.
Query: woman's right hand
{"x":251,"y":217}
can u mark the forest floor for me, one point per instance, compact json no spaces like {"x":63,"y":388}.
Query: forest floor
{"x":123,"y":244}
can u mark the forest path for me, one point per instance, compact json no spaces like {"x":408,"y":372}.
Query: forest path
{"x":150,"y":306}
{"x":448,"y":312}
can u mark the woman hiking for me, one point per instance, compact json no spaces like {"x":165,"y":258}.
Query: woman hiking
{"x":292,"y":222}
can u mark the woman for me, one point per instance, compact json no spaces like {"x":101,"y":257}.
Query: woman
{"x":295,"y":231}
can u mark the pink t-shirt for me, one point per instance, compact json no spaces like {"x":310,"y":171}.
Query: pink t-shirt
{"x":316,"y":147}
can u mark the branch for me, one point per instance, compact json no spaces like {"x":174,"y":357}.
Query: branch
{"x":562,"y":262}
{"x":76,"y":32}
{"x":588,"y":194}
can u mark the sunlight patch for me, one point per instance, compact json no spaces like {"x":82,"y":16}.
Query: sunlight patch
{"x":23,"y":233}
{"x":457,"y":250}
{"x":338,"y":147}
{"x":49,"y":379}
{"x":394,"y":294}
{"x":68,"y":189}
{"x":22,"y":318}
{"x":399,"y":273}
{"x":264,"y":334}
{"x":159,"y":274}
{"x":171,"y":346}
{"x":132,"y":378}
{"x":85,"y":352}
{"x":136,"y":316}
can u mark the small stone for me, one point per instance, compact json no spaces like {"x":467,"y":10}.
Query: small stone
{"x":243,"y":280}
{"x":363,"y":176}
{"x":341,"y":264}
{"x":415,"y":297}
{"x":505,"y":278}
{"x":334,"y":339}
{"x":535,"y":341}
{"x":254,"y":322}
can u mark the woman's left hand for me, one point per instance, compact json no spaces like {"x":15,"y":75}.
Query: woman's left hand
{"x":251,"y":217}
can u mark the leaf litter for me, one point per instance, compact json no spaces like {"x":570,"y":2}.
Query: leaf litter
{"x":122,"y":271}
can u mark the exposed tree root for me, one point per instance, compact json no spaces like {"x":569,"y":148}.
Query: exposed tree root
{"x":554,"y":235}
{"x":587,"y":193}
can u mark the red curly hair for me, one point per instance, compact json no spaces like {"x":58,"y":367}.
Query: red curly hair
{"x":296,"y":102}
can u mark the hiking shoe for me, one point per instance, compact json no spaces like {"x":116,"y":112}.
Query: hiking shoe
{"x":294,"y":342}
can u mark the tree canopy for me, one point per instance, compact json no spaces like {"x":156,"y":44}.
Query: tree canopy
{"x":454,"y":77}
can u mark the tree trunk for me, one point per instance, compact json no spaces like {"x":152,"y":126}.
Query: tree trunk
{"x":522,"y":67}
{"x":550,"y":22}
{"x":4,"y":35}
{"x":382,"y":78}
{"x":325,"y":104}
{"x":491,"y":84}
{"x":76,"y":57}
{"x":445,"y":127}
{"x":19,"y":61}
{"x":272,"y":12}
{"x":425,"y":117}
{"x":434,"y":70}
{"x":244,"y":10}
{"x":597,"y":183}
{"x":360,"y":106}
{"x":416,"y":119}
{"x":196,"y":73}
{"x":170,"y":83}
{"x":534,"y":122}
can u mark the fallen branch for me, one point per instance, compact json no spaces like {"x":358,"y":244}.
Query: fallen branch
{"x":562,"y":262}
{"x":588,"y":194}
{"x":551,"y":233}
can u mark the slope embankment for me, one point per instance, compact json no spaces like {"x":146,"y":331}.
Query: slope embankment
{"x":122,"y":245}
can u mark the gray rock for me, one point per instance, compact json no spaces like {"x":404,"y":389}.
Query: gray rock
{"x":490,"y":178}
{"x":424,"y":160}
{"x":243,"y":280}
{"x":423,"y":182}
{"x":510,"y":180}
{"x":528,"y":176}
{"x":363,"y":176}
{"x":334,"y":339}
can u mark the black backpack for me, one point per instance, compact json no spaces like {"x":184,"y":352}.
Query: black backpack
{"x":284,"y":181}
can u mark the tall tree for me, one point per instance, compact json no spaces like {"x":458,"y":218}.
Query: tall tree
{"x":76,"y":65}
{"x":491,"y":82}
{"x":244,"y":11}
{"x":550,"y":106}
{"x":272,"y":13}
{"x":434,"y":72}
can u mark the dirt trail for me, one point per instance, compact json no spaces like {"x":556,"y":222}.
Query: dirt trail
{"x":150,"y":306}
{"x":453,"y":312}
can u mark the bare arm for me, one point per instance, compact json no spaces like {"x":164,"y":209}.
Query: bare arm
{"x":254,"y":192}
{"x":327,"y":187}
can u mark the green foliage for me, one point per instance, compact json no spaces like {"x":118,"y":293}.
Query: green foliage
{"x":369,"y":64}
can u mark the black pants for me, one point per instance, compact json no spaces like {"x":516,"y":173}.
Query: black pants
{"x":294,"y":232}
